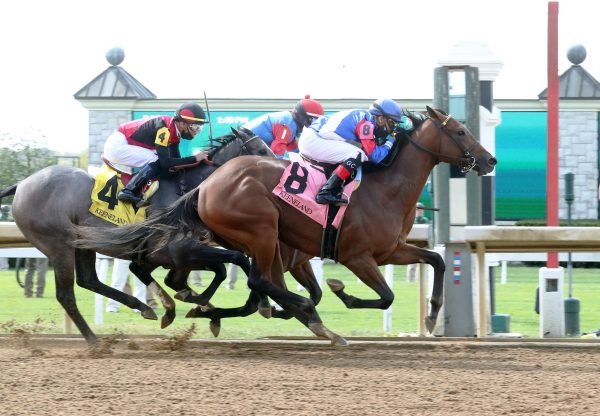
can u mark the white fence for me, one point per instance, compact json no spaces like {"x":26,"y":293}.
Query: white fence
{"x":491,"y":244}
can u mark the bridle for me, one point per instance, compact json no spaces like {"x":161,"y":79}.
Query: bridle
{"x":245,"y":144}
{"x":465,"y":163}
{"x":244,"y":150}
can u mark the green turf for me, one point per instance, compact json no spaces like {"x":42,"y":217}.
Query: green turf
{"x":515,"y":298}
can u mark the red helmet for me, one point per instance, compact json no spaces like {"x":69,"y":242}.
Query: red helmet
{"x":307,"y":110}
{"x":191,"y":112}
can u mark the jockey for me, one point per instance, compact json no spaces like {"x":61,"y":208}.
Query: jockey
{"x":280,"y":130}
{"x":152,"y":143}
{"x":349,"y":138}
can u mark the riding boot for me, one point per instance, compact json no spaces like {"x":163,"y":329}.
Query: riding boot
{"x":132,"y":191}
{"x":331,"y":192}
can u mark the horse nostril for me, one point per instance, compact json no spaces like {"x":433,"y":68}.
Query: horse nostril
{"x":492,"y":161}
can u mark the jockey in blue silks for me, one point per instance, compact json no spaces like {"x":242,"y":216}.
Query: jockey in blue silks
{"x":280,"y":130}
{"x":349,"y":138}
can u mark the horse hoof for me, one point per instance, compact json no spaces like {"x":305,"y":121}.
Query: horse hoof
{"x":321,"y":331}
{"x":182,"y":295}
{"x":149,"y":314}
{"x":167,"y":319}
{"x":339,"y":341}
{"x":429,"y":324}
{"x":265,"y":312}
{"x":335,"y":285}
{"x":215,"y":327}
{"x":191,"y":313}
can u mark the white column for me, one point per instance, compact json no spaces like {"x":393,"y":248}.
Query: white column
{"x":552,"y":305}
{"x":387,"y":314}
{"x":101,"y":271}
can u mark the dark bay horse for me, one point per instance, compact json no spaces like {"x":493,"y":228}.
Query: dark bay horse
{"x":49,"y":202}
{"x":236,"y":203}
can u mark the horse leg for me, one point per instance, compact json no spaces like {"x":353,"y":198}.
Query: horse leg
{"x":366,"y":269}
{"x":87,"y":278}
{"x":403,"y":254}
{"x":64,"y":276}
{"x":303,"y":309}
{"x":409,"y":254}
{"x":168,"y":303}
{"x":177,"y":279}
{"x":203,"y":298}
{"x":215,"y":314}
{"x":303,"y":273}
{"x":298,"y":264}
{"x":192,"y":255}
{"x":196,"y":256}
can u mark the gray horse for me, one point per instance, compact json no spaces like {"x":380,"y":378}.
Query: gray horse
{"x":50,"y":202}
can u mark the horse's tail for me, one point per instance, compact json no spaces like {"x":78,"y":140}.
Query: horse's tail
{"x":11,"y":190}
{"x":178,"y":220}
{"x":8,"y":191}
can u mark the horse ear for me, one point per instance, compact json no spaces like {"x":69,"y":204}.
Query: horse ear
{"x":235,"y":132}
{"x":431,"y":112}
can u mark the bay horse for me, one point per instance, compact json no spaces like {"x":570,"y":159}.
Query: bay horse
{"x":49,"y":202}
{"x":237,"y":205}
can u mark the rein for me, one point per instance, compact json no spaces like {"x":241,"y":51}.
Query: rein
{"x":183,"y":188}
{"x":466,"y":163}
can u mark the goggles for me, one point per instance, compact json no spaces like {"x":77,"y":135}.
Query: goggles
{"x":197,"y":127}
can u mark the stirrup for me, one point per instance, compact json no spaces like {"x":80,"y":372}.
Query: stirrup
{"x":330,"y":199}
{"x":129,"y":197}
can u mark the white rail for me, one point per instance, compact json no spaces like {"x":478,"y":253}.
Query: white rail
{"x":513,"y":239}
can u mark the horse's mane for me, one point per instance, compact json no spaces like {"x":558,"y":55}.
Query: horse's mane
{"x":221,"y":142}
{"x":218,"y":143}
{"x":401,"y":141}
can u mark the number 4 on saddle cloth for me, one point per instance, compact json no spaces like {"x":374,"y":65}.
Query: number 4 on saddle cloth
{"x":105,"y":205}
{"x":300,"y":183}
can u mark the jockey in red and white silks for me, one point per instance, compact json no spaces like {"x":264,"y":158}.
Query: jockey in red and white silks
{"x":152,"y":143}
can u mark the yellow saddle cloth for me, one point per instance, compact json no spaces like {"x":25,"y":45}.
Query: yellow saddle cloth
{"x":105,"y":204}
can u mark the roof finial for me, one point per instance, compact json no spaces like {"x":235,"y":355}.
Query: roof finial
{"x":576,"y":54}
{"x":115,"y":55}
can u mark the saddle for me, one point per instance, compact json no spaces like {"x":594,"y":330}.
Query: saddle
{"x":125,"y":172}
{"x":298,"y":187}
{"x":326,"y":168}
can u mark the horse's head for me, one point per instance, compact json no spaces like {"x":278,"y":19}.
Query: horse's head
{"x":252,"y":144}
{"x":462,"y":149}
{"x":239,"y":143}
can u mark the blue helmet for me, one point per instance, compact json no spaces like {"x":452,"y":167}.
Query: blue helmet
{"x":386,"y":107}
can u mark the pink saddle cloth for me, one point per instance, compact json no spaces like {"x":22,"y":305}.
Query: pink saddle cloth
{"x":299,"y":185}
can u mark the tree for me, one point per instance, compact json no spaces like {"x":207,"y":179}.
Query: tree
{"x":20,"y":157}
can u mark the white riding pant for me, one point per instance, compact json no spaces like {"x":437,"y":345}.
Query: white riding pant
{"x":331,"y":149}
{"x":118,"y":151}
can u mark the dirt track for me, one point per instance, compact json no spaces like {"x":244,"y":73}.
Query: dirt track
{"x":45,"y":376}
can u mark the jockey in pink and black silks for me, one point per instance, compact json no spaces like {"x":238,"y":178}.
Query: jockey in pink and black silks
{"x":349,"y":138}
{"x":152,"y":144}
{"x":280,"y":130}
